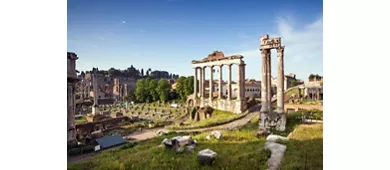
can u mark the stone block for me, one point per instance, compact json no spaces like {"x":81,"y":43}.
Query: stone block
{"x":206,"y":157}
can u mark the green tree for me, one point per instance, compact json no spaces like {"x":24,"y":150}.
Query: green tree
{"x":181,"y":87}
{"x":189,"y":86}
{"x":141,"y":93}
{"x":163,"y":89}
{"x":152,"y":88}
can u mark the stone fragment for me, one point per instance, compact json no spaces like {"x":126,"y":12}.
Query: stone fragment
{"x":206,"y":157}
{"x":275,"y":138}
{"x":167,"y":143}
{"x":216,"y":134}
{"x":277,"y":152}
{"x":190,"y":148}
{"x":208,"y":137}
{"x":261,"y":133}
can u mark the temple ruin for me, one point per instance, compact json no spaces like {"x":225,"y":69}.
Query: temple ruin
{"x":268,"y":117}
{"x":218,"y":59}
{"x":72,"y":80}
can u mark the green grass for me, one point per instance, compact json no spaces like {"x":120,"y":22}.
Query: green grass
{"x":304,"y":149}
{"x":80,"y":120}
{"x":238,"y":149}
{"x":291,"y":92}
{"x":218,"y":117}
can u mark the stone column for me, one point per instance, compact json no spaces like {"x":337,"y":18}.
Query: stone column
{"x":70,"y":114}
{"x":202,"y":91}
{"x":280,"y":83}
{"x":318,"y":94}
{"x":243,"y":78}
{"x":299,"y":93}
{"x":264,"y":80}
{"x":269,"y":81}
{"x":229,"y":97}
{"x":196,"y":83}
{"x":211,"y":86}
{"x":220,"y":83}
{"x":239,"y":83}
{"x":95,"y":107}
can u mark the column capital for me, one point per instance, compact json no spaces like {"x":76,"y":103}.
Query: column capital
{"x":280,"y":49}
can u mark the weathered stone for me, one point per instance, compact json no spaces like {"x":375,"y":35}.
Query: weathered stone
{"x":275,"y":138}
{"x":167,"y":143}
{"x":190,"y":148}
{"x":206,"y":157}
{"x":180,"y":149}
{"x":262,"y":133}
{"x":277,"y":152}
{"x":216,"y":134}
{"x":181,"y":141}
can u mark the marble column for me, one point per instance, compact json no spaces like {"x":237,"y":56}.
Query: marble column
{"x":243,"y":78}
{"x":220,"y":92}
{"x":196,"y":83}
{"x":95,"y":107}
{"x":211,"y":86}
{"x":239,"y":82}
{"x":269,"y":82}
{"x":229,"y":97}
{"x":202,"y":75}
{"x":318,"y":94}
{"x":299,"y":93}
{"x":264,"y":80}
{"x":280,"y":83}
{"x":71,"y":135}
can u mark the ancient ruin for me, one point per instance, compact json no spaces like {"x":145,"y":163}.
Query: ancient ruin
{"x":72,"y":80}
{"x":95,"y":107}
{"x":217,"y":58}
{"x":269,"y":118}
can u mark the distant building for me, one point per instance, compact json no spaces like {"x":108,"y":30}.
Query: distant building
{"x":290,"y":80}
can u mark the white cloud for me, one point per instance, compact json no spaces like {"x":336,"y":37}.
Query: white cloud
{"x":123,"y":22}
{"x":303,"y":53}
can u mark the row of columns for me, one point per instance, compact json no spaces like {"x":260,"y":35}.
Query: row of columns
{"x":200,"y":83}
{"x":266,"y":86}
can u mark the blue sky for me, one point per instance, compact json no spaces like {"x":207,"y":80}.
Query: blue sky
{"x":169,"y":34}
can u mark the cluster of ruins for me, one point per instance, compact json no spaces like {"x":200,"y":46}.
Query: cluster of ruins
{"x":217,"y":59}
